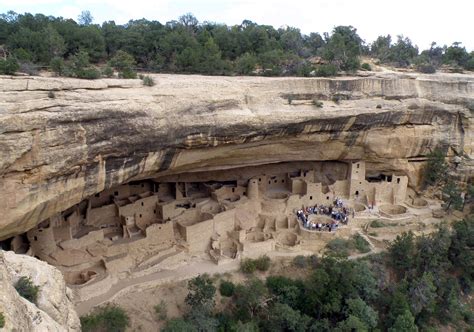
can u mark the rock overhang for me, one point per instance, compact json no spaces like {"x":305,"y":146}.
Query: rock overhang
{"x":97,"y":134}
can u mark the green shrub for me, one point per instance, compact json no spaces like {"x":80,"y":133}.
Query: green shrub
{"x":148,"y":80}
{"x":317,"y":103}
{"x":2,"y":320}
{"x":178,"y":325}
{"x":339,"y":247}
{"x":377,"y":224}
{"x":300,"y":262}
{"x":161,"y":311}
{"x":263,"y":263}
{"x":108,"y":71}
{"x":128,"y":74}
{"x":436,"y":167}
{"x":25,"y":287}
{"x":360,"y":243}
{"x":110,"y":318}
{"x":366,"y":66}
{"x":326,"y":70}
{"x":57,"y":65}
{"x":124,"y":63}
{"x":248,"y":266}
{"x":227,"y":288}
{"x":313,"y":261}
{"x":89,"y":73}
{"x":426,"y":68}
{"x":8,"y":66}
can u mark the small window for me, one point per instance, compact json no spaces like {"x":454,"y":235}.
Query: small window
{"x":140,"y":215}
{"x":154,"y":211}
{"x":398,"y":180}
{"x":360,"y":182}
{"x":116,"y":193}
{"x":276,"y":181}
{"x":97,"y":195}
{"x":311,"y":197}
{"x":327,"y":197}
{"x":36,"y":238}
{"x":282,"y":181}
{"x":269,"y":182}
{"x":259,"y":180}
{"x":233,"y":190}
{"x":142,"y":203}
{"x":358,"y":165}
{"x":40,"y":230}
{"x":357,"y":192}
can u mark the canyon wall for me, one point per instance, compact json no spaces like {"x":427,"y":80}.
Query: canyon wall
{"x":63,"y":140}
{"x":54,"y":310}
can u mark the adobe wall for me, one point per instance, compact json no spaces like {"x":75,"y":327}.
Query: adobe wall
{"x":74,"y":221}
{"x":119,"y":263}
{"x":104,"y":215}
{"x":62,"y":233}
{"x":276,"y":182}
{"x":144,"y":210}
{"x":256,"y":249}
{"x":198,"y":235}
{"x":341,"y":188}
{"x":84,"y":241}
{"x":160,"y":233}
{"x":168,"y":210}
{"x":298,"y":186}
{"x":42,"y":240}
{"x":400,"y":189}
{"x":224,"y":222}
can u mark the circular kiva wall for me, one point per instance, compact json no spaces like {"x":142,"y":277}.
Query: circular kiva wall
{"x":257,"y":236}
{"x":233,"y":198}
{"x":392,"y":210}
{"x":419,"y":202}
{"x":287,"y":239}
{"x":79,"y":278}
{"x":358,"y":207}
{"x":277,"y":195}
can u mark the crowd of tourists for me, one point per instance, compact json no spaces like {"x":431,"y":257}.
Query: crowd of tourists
{"x":337,"y":212}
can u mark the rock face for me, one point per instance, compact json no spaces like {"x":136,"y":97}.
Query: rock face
{"x":93,"y":135}
{"x":55,"y":310}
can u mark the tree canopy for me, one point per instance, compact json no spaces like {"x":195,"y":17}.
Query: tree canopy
{"x":187,"y":45}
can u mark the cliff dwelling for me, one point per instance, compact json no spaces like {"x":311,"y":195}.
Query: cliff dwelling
{"x":126,"y":186}
{"x":244,"y":212}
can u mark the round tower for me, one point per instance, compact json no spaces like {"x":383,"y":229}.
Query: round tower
{"x":252,"y":189}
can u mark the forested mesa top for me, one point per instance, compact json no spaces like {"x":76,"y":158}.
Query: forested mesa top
{"x":189,"y":46}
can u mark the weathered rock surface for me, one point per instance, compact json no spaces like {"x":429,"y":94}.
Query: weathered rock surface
{"x":55,"y":310}
{"x":55,"y":152}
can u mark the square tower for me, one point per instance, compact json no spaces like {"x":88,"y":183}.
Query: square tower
{"x":357,"y":180}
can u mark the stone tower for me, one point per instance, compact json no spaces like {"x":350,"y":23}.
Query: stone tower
{"x":252,"y":189}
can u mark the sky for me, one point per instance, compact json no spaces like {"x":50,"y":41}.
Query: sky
{"x":423,"y":21}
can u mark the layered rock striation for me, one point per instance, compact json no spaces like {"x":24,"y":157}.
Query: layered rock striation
{"x":63,"y":140}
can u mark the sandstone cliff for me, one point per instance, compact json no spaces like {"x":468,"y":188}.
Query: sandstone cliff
{"x":55,"y":310}
{"x":55,"y":152}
